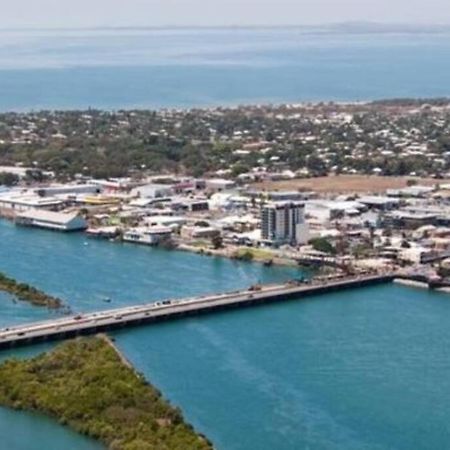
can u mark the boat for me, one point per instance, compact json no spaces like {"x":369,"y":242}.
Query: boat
{"x":147,"y":236}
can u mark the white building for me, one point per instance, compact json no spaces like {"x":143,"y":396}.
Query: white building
{"x":165,"y":221}
{"x":153,"y":190}
{"x":51,"y":220}
{"x":147,"y":236}
{"x":18,"y":201}
{"x":284,"y":222}
{"x":219,"y":184}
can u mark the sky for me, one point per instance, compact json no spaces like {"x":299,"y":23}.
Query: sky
{"x":109,"y":13}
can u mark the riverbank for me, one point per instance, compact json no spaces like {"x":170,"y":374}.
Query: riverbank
{"x":247,"y":254}
{"x":85,"y":384}
{"x":28,"y":293}
{"x":411,"y":283}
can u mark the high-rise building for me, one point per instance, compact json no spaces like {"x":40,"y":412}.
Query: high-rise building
{"x":284,"y":223}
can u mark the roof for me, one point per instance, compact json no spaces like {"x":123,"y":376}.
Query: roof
{"x":28,"y":199}
{"x":378,"y":200}
{"x":48,"y":216}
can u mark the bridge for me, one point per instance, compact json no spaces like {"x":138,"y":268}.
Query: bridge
{"x":92,"y":323}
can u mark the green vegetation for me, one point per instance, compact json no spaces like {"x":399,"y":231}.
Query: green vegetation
{"x":86,"y":384}
{"x":8,"y":179}
{"x":323,"y":245}
{"x":199,"y":243}
{"x":244,"y":255}
{"x":358,"y":138}
{"x":362,"y":250}
{"x":28,"y":293}
{"x":250,"y":254}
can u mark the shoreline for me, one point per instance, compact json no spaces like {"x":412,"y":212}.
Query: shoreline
{"x":225,"y":253}
{"x":111,"y":342}
{"x":411,"y":283}
{"x":232,"y":105}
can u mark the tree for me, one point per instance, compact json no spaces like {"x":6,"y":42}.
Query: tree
{"x":322,"y":245}
{"x":316,"y":165}
{"x":217,"y":241}
{"x":239,"y":168}
{"x":35,"y":175}
{"x":8,"y":179}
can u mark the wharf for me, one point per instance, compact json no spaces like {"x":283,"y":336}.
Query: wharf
{"x":114,"y":319}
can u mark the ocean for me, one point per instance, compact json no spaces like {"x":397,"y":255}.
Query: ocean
{"x":167,"y":68}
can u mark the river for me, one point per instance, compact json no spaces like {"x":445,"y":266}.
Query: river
{"x":360,"y":369}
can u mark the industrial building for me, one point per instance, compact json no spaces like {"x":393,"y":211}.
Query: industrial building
{"x":18,"y":201}
{"x":51,"y":220}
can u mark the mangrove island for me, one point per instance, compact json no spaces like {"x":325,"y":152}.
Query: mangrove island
{"x":28,"y":293}
{"x":86,"y":384}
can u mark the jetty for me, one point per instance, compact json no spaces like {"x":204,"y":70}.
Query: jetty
{"x":114,"y":319}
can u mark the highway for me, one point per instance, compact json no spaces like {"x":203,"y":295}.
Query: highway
{"x":91,"y":323}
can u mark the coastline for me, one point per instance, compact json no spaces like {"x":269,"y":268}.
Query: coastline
{"x":411,"y":283}
{"x":111,"y":343}
{"x":232,"y":254}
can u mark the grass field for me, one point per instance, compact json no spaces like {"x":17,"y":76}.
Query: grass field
{"x":347,"y":184}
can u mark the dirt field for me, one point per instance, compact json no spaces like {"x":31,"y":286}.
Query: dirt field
{"x":346,"y":184}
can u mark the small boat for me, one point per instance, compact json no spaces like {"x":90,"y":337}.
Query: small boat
{"x":107,"y":299}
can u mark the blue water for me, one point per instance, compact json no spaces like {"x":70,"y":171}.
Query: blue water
{"x":202,"y":67}
{"x":24,"y":431}
{"x":84,"y":272}
{"x":361,"y":369}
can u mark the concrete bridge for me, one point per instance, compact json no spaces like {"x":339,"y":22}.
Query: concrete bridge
{"x":91,"y":323}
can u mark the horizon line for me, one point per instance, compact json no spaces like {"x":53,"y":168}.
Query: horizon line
{"x":382,"y":26}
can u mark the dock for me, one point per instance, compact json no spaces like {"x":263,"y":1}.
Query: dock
{"x":119,"y":318}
